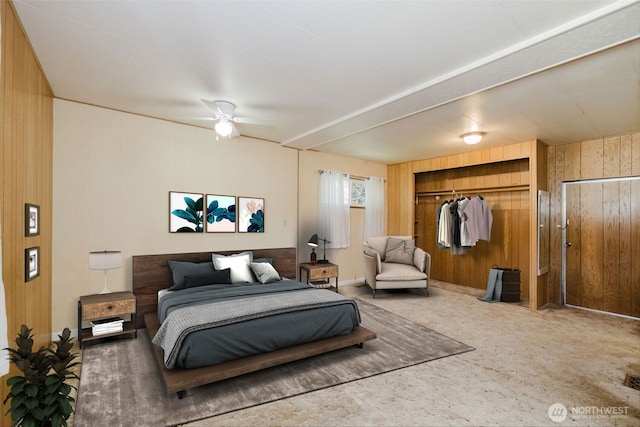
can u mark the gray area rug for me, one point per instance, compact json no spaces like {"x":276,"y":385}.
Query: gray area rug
{"x":120,"y":384}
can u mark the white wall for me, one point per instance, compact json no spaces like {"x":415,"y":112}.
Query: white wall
{"x":112,"y":175}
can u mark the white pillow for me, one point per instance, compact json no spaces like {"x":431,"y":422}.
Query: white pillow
{"x":265,"y":272}
{"x":238,"y":263}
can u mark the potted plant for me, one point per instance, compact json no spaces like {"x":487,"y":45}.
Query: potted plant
{"x":41,"y":395}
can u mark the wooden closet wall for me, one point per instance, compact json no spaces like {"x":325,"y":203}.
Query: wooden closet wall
{"x":514,"y":188}
{"x":505,"y":187}
{"x":26,"y":159}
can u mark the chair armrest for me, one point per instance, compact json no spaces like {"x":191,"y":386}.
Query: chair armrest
{"x":370,"y":268}
{"x":422,"y":261}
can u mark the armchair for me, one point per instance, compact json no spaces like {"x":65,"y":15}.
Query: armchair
{"x":393,"y":262}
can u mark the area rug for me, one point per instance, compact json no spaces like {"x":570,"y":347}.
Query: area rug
{"x":120,"y":384}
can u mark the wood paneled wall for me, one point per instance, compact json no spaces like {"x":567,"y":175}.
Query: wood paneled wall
{"x":26,"y":156}
{"x":505,"y":187}
{"x":617,"y":156}
{"x":401,"y":197}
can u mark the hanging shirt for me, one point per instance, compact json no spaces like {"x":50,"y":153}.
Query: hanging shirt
{"x":443,"y":233}
{"x":479,"y":219}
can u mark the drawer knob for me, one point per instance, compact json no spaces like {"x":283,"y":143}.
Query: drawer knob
{"x":110,"y":307}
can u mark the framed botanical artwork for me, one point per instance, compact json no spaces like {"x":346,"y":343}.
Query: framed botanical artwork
{"x":31,"y":220}
{"x":185,"y":212}
{"x":250,"y":215}
{"x":220,"y":214}
{"x":31,"y":263}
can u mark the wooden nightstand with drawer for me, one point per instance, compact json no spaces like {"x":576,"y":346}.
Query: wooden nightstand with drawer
{"x":318,"y":274}
{"x":104,"y":306}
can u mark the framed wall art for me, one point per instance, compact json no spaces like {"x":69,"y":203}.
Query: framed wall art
{"x":250,"y":215}
{"x":185,"y":212}
{"x":220,"y":214}
{"x":31,"y":220}
{"x":31,"y":263}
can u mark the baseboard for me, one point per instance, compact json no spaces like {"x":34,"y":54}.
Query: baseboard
{"x":353,"y":282}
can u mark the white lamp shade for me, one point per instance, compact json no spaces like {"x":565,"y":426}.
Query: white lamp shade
{"x":105,"y":260}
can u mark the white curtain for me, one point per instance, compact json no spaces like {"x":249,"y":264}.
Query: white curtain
{"x":334,"y":208}
{"x":374,"y":207}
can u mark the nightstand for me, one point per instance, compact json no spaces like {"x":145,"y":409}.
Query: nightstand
{"x":104,"y":306}
{"x":318,"y":274}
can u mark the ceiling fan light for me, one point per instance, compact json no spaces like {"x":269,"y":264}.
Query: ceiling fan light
{"x":224,"y":128}
{"x":472,"y":138}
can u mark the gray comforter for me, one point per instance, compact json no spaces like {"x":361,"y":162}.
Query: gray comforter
{"x":213,"y":324}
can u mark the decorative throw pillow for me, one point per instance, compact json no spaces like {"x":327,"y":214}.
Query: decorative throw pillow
{"x":269,"y":260}
{"x":181,"y":269}
{"x":217,"y":277}
{"x":238,"y":263}
{"x":264,"y":271}
{"x":399,"y":251}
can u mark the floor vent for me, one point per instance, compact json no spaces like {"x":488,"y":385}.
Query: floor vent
{"x":632,"y":381}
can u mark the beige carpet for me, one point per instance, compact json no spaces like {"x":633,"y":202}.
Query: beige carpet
{"x":120,"y":384}
{"x":524,"y":362}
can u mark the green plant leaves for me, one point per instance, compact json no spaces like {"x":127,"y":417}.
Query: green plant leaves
{"x":40,"y":396}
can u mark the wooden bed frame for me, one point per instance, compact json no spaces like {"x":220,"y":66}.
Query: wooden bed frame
{"x":151,"y":273}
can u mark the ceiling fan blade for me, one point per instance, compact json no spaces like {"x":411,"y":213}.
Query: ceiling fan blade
{"x":251,"y":121}
{"x":235,"y":132}
{"x":212,"y":106}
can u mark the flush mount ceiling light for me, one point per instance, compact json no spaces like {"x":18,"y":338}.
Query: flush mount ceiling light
{"x":472,"y":138}
{"x":224,"y":127}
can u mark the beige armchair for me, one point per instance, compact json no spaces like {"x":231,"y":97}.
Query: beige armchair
{"x":393,"y":262}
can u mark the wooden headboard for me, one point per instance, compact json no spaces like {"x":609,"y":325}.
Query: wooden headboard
{"x":151,"y":273}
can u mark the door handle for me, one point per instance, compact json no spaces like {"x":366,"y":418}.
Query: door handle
{"x":568,"y":244}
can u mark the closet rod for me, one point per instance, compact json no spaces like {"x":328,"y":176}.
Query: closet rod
{"x":472,"y":191}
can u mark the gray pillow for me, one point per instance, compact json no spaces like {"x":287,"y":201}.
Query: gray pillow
{"x":217,"y":277}
{"x":399,"y":251}
{"x":265,"y":273}
{"x":181,"y":269}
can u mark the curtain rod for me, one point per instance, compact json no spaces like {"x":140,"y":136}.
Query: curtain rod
{"x":356,"y":177}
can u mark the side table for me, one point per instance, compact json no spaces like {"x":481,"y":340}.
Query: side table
{"x":318,"y":274}
{"x":104,"y":306}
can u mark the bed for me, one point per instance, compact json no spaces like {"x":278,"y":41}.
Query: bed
{"x":151,"y":274}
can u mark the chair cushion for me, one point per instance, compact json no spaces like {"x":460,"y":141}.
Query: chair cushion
{"x":393,"y":272}
{"x":399,"y":251}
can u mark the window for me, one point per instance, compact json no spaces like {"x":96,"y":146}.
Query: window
{"x":358,"y":193}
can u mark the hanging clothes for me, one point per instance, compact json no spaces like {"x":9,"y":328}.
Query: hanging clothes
{"x":444,"y":237}
{"x":479,"y":219}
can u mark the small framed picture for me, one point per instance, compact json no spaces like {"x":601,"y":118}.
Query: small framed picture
{"x":31,"y":263}
{"x":31,"y":220}
{"x":185,"y":212}
{"x":250,"y":215}
{"x":221,"y":213}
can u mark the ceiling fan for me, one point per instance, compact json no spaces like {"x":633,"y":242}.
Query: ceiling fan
{"x":223,"y":113}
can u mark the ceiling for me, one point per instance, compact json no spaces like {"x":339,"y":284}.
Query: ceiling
{"x":386,"y":81}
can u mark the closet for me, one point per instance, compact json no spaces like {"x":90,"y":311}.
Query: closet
{"x":505,"y":187}
{"x":509,"y":178}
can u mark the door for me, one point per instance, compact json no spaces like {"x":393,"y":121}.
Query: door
{"x":601,"y":240}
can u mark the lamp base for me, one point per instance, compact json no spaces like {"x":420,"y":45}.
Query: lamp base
{"x":323,"y":261}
